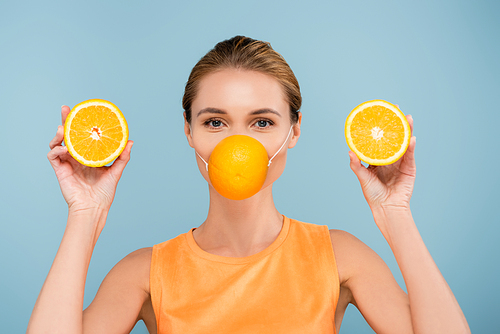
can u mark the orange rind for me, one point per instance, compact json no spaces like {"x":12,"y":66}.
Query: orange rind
{"x":377,"y":132}
{"x":95,"y":132}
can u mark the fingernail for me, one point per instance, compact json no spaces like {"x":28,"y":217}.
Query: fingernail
{"x":62,"y":106}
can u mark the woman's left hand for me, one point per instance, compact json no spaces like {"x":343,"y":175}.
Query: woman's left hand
{"x":390,"y":186}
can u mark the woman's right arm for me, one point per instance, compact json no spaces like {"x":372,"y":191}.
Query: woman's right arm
{"x":89,"y":193}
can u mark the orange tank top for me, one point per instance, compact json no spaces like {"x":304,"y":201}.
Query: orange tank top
{"x":292,"y":286}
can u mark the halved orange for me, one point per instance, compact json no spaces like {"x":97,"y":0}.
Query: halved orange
{"x":95,"y":132}
{"x":377,"y":132}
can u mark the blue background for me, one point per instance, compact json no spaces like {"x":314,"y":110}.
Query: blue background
{"x":439,"y":60}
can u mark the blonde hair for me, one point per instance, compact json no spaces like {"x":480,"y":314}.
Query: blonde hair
{"x":245,"y":53}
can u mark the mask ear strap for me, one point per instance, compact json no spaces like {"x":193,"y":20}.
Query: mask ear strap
{"x":191,"y":133}
{"x":206,"y":164}
{"x":275,"y":154}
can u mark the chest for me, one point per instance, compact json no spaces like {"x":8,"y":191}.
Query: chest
{"x":276,"y":295}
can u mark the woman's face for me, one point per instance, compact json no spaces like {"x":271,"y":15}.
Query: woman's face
{"x":231,"y":102}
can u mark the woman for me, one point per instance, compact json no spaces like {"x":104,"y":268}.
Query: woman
{"x":247,"y":268}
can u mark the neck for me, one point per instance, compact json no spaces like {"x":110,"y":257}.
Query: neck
{"x":239,"y":228}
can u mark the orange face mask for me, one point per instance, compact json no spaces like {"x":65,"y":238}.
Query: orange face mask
{"x":239,"y":165}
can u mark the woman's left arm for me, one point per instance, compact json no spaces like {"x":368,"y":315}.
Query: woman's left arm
{"x":388,"y":190}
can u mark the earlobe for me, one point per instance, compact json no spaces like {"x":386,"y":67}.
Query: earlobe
{"x":187,"y":131}
{"x":296,"y":131}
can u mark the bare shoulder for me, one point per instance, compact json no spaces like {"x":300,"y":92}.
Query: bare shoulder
{"x":140,"y":257}
{"x":136,"y":266}
{"x":344,"y":243}
{"x":123,"y":297}
{"x":353,"y":256}
{"x":341,"y":236}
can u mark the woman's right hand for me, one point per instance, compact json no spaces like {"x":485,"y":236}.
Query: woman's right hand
{"x":84,"y":187}
{"x":89,"y":192}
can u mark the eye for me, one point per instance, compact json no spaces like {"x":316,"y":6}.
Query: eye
{"x":213,"y":123}
{"x":263,"y":123}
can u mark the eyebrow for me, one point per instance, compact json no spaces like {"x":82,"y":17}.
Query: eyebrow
{"x":265,"y":111}
{"x":210,"y":111}
{"x":255,"y":112}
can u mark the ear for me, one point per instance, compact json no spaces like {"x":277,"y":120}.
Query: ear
{"x":296,"y":132}
{"x":187,"y":131}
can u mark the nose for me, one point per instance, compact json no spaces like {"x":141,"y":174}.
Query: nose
{"x":245,"y":131}
{"x":239,"y":130}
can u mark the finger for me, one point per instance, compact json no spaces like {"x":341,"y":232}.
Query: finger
{"x":55,"y":154}
{"x":411,"y":147}
{"x":361,"y":172}
{"x":120,"y":163}
{"x":57,"y":140}
{"x":64,"y":113}
{"x":408,"y":165}
{"x":409,"y":118}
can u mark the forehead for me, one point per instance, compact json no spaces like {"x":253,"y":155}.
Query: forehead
{"x":240,"y":90}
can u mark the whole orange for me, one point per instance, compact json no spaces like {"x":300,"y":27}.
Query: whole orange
{"x":238,"y":167}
